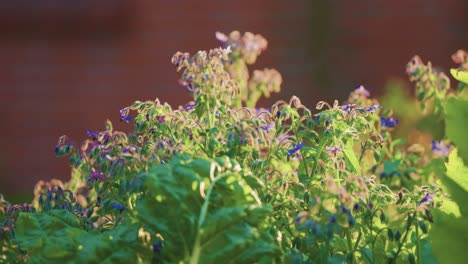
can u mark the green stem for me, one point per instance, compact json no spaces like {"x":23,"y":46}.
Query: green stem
{"x":319,"y":153}
{"x":204,"y":210}
{"x":400,"y":243}
{"x":418,"y":249}
{"x":350,"y":246}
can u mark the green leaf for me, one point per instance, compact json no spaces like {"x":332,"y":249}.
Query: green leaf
{"x":56,"y":237}
{"x":204,"y":215}
{"x":460,"y":75}
{"x":351,"y":158}
{"x":391,"y":166}
{"x":457,"y":171}
{"x":426,"y":252}
{"x":449,"y":234}
{"x":457,"y":125}
{"x":455,"y":181}
{"x":449,"y":237}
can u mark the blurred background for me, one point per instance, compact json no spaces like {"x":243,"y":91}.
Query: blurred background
{"x":67,"y":65}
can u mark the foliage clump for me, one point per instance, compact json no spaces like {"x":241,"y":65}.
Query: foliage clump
{"x":220,"y":179}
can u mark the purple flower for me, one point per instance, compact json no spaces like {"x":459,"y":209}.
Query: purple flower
{"x":98,"y":176}
{"x":356,"y":206}
{"x":370,"y":205}
{"x":348,"y":107}
{"x":344,"y":210}
{"x":372,"y":109}
{"x":267,"y":127}
{"x":124,"y":115}
{"x":296,"y":148}
{"x":332,"y":150}
{"x":92,"y":134}
{"x":389,"y":122}
{"x":427,"y":199}
{"x":440,"y":149}
{"x":190,"y":106}
{"x":333,"y":219}
{"x":361,"y":91}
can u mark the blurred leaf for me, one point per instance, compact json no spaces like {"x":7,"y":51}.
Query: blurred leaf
{"x":351,"y":157}
{"x":426,"y":252}
{"x":55,"y":237}
{"x":461,"y":76}
{"x":457,"y":125}
{"x":449,"y":235}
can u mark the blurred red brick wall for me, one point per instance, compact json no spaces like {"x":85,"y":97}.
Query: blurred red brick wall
{"x":65,"y":79}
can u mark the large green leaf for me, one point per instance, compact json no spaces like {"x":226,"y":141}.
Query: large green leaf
{"x":449,"y":234}
{"x":206,"y":212}
{"x":457,"y":125}
{"x":55,"y":237}
{"x":449,"y":238}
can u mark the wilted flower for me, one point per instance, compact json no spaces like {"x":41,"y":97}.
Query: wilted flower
{"x":460,"y":57}
{"x":361,"y":91}
{"x":414,"y":65}
{"x":161,"y":119}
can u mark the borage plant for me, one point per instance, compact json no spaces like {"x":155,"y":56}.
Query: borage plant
{"x":221,"y":180}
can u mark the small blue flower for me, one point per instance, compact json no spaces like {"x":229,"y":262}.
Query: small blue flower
{"x":96,"y":176}
{"x":124,"y":116}
{"x":92,"y":134}
{"x":118,"y":206}
{"x":344,"y":210}
{"x":348,"y":107}
{"x":372,"y":109}
{"x":296,"y":148}
{"x":389,"y":122}
{"x":267,"y":127}
{"x":333,"y":219}
{"x":190,"y":106}
{"x":361,"y":91}
{"x":333,"y":150}
{"x":440,"y":149}
{"x":427,"y":199}
{"x":356,"y":207}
